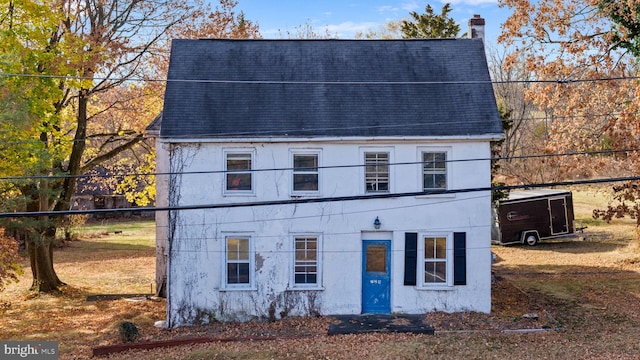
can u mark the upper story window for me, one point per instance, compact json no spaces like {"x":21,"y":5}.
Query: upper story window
{"x":376,"y":173}
{"x":239,"y":176}
{"x":305,"y":172}
{"x":434,"y":170}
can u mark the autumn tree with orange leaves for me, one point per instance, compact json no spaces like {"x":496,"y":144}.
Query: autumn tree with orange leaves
{"x":583,"y":60}
{"x":9,"y":260}
{"x":83,"y":88}
{"x":138,"y":104}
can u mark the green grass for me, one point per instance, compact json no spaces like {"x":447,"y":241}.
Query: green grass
{"x":108,"y":257}
{"x":100,"y":262}
{"x":589,"y":200}
{"x":144,"y":228}
{"x":112,"y":234}
{"x":586,"y":200}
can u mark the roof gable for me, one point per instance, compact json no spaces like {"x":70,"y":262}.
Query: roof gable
{"x":327,"y":88}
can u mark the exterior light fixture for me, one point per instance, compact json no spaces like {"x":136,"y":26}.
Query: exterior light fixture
{"x":377,"y":223}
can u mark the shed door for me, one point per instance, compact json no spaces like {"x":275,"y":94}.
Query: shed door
{"x":376,"y":276}
{"x":558,"y":212}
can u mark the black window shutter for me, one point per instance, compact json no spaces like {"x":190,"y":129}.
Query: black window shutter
{"x":459,"y":258}
{"x":410,"y":258}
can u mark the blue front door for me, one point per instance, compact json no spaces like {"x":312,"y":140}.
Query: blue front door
{"x":376,"y":276}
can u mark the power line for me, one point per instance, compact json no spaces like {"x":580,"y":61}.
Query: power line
{"x":203,"y":172}
{"x":113,"y":138}
{"x":324,"y":251}
{"x":143,"y":136}
{"x":308,"y":82}
{"x":267,"y":132}
{"x":380,"y":210}
{"x":312,"y":200}
{"x":341,"y":213}
{"x":324,"y":233}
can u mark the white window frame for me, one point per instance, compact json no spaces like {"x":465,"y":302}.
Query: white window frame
{"x":448,"y":284}
{"x":318,"y":172}
{"x":448,"y":168}
{"x":292,"y":279}
{"x":363,"y":156}
{"x":233,"y":286}
{"x":240,"y":151}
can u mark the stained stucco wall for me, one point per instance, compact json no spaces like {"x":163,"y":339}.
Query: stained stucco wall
{"x":196,"y":292}
{"x":161,"y":217}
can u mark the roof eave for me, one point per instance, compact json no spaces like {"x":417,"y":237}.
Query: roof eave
{"x":250,"y":139}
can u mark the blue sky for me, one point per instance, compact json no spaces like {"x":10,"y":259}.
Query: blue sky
{"x":346,"y":17}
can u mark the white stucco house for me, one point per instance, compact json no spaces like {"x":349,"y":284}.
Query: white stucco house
{"x":318,"y":177}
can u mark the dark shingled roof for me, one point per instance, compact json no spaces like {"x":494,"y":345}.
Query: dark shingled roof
{"x":328,"y":88}
{"x":154,"y":127}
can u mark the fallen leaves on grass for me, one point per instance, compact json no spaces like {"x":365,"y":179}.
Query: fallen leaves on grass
{"x":588,"y":291}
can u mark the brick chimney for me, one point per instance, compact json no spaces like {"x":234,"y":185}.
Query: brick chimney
{"x":476,"y":27}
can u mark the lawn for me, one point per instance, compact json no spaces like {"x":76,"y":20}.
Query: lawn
{"x":577,"y":298}
{"x":109,"y":258}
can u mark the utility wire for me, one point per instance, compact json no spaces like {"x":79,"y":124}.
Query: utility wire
{"x":212,"y":240}
{"x":88,"y":139}
{"x":307,"y":82}
{"x":325,"y":214}
{"x":236,"y":134}
{"x":379,"y":210}
{"x":519,"y":157}
{"x":313,"y":200}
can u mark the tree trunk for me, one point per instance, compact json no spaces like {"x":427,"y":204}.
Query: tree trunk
{"x":40,"y":246}
{"x":40,"y":252}
{"x":75,"y":158}
{"x":40,"y":239}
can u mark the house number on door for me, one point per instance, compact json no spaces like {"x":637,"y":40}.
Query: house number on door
{"x":379,"y":282}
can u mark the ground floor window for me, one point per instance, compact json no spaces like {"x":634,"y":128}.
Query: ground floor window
{"x":435,"y":260}
{"x":306,"y":263}
{"x":238,"y":261}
